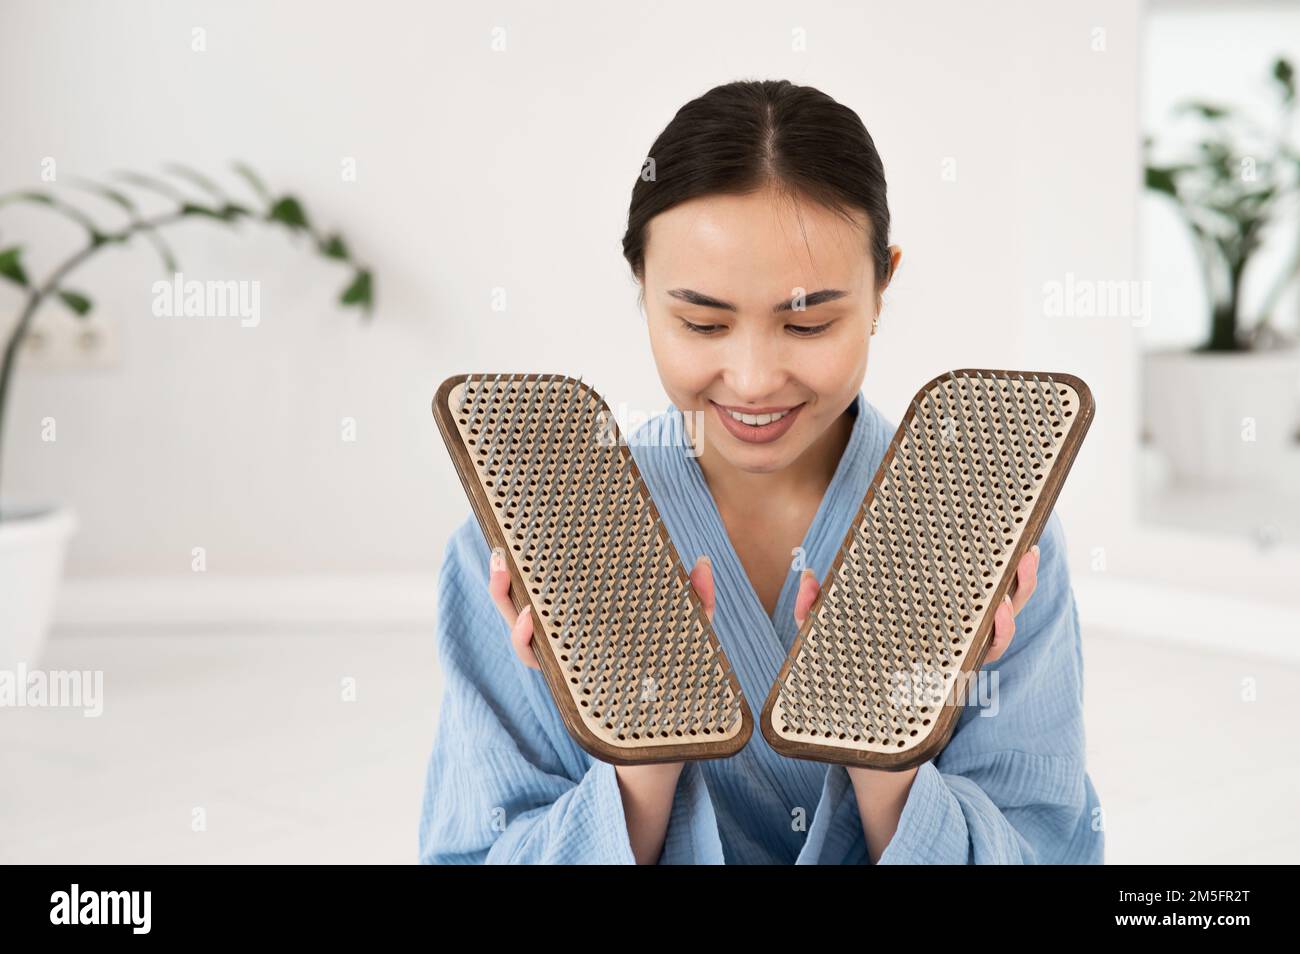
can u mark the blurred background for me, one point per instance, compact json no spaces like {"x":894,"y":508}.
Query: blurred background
{"x":238,"y":520}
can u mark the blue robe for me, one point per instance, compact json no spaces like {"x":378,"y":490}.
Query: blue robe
{"x":506,"y":784}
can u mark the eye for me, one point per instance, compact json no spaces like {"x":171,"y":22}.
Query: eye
{"x":808,"y":331}
{"x":699,"y":329}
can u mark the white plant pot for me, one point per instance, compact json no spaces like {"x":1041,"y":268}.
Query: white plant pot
{"x":33,"y":542}
{"x":1222,"y":420}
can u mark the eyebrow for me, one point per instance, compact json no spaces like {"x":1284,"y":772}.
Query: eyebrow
{"x":692,"y":297}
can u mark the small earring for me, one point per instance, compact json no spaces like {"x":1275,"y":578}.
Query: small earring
{"x":875,"y":322}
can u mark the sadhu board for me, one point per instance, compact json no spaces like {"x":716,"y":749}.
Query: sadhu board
{"x":622,"y":638}
{"x":905,"y":616}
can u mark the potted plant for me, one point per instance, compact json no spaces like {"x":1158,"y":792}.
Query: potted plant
{"x":34,"y":535}
{"x":1224,"y":412}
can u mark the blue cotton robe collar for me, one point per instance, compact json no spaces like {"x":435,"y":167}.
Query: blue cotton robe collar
{"x":755,"y":643}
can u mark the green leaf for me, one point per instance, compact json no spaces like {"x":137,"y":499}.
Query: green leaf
{"x":153,"y":184}
{"x":1258,"y":199}
{"x":1208,"y":110}
{"x":227,"y":213}
{"x":63,"y":208}
{"x":196,"y":177}
{"x":189,"y":208}
{"x":112,"y":195}
{"x":253,"y":180}
{"x":44,"y":198}
{"x":288,"y":212}
{"x":10,"y":266}
{"x":359,"y":292}
{"x":76,"y":301}
{"x":1161,"y":179}
{"x":164,"y":250}
{"x":333,"y":247}
{"x":1284,"y":74}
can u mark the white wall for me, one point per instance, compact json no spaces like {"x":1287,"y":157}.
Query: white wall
{"x":479,"y":170}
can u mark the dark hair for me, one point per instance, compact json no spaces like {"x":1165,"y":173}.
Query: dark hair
{"x":744,"y":136}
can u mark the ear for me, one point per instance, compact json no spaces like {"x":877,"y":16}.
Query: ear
{"x":895,"y":257}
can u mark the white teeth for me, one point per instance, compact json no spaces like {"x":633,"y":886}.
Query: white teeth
{"x":757,"y":420}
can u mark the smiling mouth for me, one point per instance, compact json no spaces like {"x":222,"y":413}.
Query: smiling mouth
{"x":756,"y":420}
{"x":759,"y":425}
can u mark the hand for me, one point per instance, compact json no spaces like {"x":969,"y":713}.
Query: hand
{"x":1004,"y":627}
{"x":653,"y":781}
{"x":1004,"y":619}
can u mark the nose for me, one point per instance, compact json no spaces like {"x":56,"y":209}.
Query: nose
{"x":754,"y":369}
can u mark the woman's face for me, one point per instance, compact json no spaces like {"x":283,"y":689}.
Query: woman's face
{"x":758,"y":308}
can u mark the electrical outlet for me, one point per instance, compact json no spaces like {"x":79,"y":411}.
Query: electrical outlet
{"x":60,"y":341}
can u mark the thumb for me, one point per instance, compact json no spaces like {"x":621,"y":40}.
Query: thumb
{"x":702,"y":580}
{"x":809,"y":589}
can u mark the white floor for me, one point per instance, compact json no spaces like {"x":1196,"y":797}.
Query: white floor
{"x":251,"y":728}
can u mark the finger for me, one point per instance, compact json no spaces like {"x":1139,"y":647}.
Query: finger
{"x":499,"y":586}
{"x":1026,"y":579}
{"x":521,"y":637}
{"x":1004,"y":629}
{"x":809,"y":588}
{"x":702,"y":580}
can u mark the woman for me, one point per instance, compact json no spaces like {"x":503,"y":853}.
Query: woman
{"x":758,"y":233}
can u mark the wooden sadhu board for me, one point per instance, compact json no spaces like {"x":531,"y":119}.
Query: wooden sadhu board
{"x":879,"y":670}
{"x":622,"y":638}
